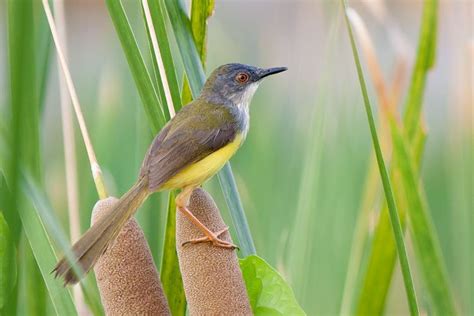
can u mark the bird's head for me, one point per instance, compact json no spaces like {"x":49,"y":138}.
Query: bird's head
{"x":235,"y":83}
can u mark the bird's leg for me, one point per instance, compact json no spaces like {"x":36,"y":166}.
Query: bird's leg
{"x":182,"y":201}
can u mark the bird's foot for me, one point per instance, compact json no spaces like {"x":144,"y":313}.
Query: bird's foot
{"x":214,"y":239}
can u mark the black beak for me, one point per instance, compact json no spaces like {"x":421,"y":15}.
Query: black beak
{"x":270,"y":71}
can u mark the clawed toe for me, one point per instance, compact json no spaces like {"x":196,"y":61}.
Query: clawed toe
{"x":214,"y":239}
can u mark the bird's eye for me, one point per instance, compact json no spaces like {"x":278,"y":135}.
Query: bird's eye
{"x":242,"y":77}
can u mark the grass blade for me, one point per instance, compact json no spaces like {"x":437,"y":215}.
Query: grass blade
{"x":424,"y":61}
{"x":46,"y":258}
{"x":38,"y":202}
{"x":158,"y":19}
{"x":195,"y":75}
{"x":397,"y":230}
{"x":201,"y":11}
{"x":423,"y":234}
{"x":189,"y":53}
{"x":406,"y":164}
{"x":44,"y":54}
{"x":231,"y":195}
{"x":23,"y":138}
{"x":7,"y":265}
{"x":163,"y":85}
{"x":170,"y":273}
{"x":146,"y":90}
{"x":379,"y":271}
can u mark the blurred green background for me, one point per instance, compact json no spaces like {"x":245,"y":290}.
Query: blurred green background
{"x":303,"y":167}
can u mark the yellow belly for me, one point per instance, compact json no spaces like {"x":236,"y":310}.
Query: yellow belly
{"x":199,"y":172}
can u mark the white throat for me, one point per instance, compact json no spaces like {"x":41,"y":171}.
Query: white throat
{"x":244,"y":99}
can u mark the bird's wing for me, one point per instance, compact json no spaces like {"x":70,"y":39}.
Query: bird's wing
{"x":186,"y":139}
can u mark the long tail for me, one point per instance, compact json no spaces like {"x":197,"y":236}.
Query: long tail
{"x":95,"y":241}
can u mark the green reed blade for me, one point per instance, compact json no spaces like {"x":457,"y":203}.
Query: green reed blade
{"x":170,"y":273}
{"x":149,"y":97}
{"x":395,"y":220}
{"x":407,"y":160}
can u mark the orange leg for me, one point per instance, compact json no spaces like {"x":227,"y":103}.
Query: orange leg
{"x":182,"y":201}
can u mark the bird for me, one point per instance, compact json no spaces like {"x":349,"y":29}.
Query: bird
{"x":192,"y":147}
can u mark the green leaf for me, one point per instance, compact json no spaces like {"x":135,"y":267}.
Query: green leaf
{"x":392,"y":207}
{"x":424,"y":61}
{"x":268,"y":292}
{"x":170,"y":273}
{"x":43,"y":56}
{"x":380,"y":267}
{"x":423,"y":234}
{"x":39,"y":204}
{"x":4,"y":157}
{"x":184,"y":38}
{"x":7,"y":266}
{"x":158,"y":19}
{"x":40,"y":223}
{"x":195,"y":75}
{"x":45,"y":257}
{"x":408,"y":149}
{"x":23,"y":128}
{"x":145,"y":87}
{"x":201,"y":11}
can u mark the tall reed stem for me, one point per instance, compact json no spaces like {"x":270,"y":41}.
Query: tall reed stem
{"x":397,"y":228}
{"x":95,"y":168}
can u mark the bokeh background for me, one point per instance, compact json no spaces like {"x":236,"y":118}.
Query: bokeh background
{"x":308,"y":129}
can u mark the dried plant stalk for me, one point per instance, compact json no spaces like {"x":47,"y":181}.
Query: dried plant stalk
{"x":95,"y":168}
{"x":212,"y":279}
{"x":126,"y":274}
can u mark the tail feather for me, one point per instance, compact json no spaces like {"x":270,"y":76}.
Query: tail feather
{"x":95,"y":241}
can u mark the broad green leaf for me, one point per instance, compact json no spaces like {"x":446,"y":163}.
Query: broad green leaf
{"x":389,"y":196}
{"x":145,"y":87}
{"x":268,"y":292}
{"x":170,"y":273}
{"x":195,"y":75}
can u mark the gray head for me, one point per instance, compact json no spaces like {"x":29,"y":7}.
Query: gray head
{"x":235,"y":83}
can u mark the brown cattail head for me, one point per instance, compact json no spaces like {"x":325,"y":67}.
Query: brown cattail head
{"x":126,"y":274}
{"x":212,"y":279}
